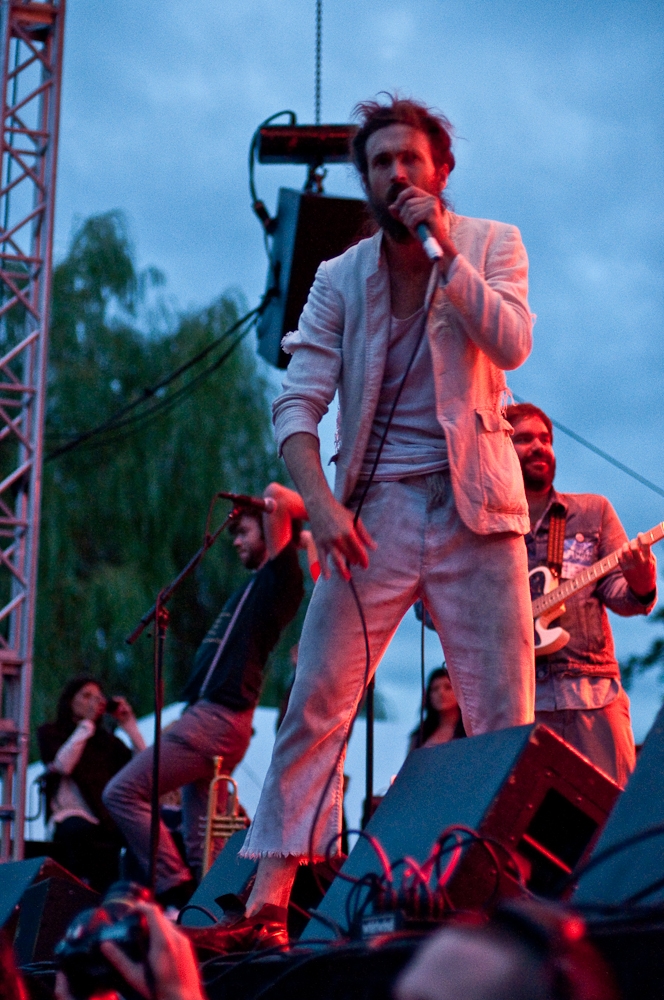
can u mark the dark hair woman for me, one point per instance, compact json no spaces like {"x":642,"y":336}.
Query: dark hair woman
{"x":81,"y":757}
{"x":442,"y":715}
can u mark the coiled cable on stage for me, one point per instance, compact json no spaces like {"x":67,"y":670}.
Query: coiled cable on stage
{"x":230,"y":964}
{"x":200,"y":909}
{"x":421,"y":893}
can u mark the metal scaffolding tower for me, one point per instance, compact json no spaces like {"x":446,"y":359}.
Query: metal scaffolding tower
{"x":32,"y":35}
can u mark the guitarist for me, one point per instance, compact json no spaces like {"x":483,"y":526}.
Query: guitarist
{"x":578,"y":693}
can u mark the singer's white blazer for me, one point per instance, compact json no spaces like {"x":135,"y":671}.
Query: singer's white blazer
{"x":478,"y":324}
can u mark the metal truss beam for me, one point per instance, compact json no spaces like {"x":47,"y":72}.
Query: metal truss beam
{"x":31,"y":35}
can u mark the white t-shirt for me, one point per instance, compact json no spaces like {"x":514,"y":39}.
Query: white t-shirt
{"x":415,"y":443}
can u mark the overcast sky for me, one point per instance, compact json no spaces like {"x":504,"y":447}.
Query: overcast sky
{"x":558,"y":110}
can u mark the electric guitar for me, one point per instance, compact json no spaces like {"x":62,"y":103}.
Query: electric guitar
{"x":552,"y":594}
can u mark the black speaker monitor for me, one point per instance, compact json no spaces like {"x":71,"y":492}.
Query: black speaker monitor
{"x":38,"y":900}
{"x":310,"y":228}
{"x":524,"y":787}
{"x":636,"y":873}
{"x":228,"y":874}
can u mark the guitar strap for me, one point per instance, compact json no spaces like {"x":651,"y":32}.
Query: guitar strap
{"x":555,"y":547}
{"x":224,"y":639}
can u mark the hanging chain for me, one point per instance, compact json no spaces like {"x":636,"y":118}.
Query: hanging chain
{"x":319,"y":45}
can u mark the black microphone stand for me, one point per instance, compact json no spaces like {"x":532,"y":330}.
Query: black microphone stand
{"x":160,"y":615}
{"x":369,"y":780}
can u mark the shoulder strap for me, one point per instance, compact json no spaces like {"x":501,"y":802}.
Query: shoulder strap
{"x":555,"y":547}
{"x":224,"y":639}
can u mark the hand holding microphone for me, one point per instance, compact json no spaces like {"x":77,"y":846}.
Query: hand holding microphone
{"x":418,"y":210}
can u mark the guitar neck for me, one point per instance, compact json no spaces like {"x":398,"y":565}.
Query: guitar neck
{"x":558,"y":596}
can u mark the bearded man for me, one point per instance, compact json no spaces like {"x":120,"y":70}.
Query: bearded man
{"x":578,"y":692}
{"x":222,"y":693}
{"x":416,"y":351}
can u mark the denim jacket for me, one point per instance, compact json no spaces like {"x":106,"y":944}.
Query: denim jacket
{"x":592,"y":531}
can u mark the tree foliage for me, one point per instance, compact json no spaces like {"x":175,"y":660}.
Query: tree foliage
{"x":123,"y":513}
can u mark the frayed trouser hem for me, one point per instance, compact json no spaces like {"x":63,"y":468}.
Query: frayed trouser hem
{"x":302,"y":859}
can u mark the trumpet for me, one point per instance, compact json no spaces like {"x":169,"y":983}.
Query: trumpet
{"x":218,"y":827}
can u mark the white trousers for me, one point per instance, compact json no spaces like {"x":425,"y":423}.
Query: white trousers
{"x":476,"y":589}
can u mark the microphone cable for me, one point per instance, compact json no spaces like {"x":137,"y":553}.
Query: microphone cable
{"x":351,"y":583}
{"x":257,"y":204}
{"x":422,"y":680}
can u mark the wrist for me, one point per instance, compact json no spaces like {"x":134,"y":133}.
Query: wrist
{"x":645,"y":598}
{"x":641,"y":580}
{"x":319,"y":504}
{"x":130,"y":727}
{"x":450,"y":254}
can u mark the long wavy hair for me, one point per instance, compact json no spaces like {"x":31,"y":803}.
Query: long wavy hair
{"x":374,"y":115}
{"x":431,"y":715}
{"x":64,"y":717}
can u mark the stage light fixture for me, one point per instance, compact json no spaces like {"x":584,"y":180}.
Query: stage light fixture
{"x":307,"y":144}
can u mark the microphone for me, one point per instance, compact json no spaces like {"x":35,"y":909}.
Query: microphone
{"x":432,"y":247}
{"x":265,"y":504}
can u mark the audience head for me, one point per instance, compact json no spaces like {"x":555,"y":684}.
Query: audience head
{"x":529,"y":951}
{"x":81,"y":698}
{"x":439,"y":694}
{"x":439,"y":702}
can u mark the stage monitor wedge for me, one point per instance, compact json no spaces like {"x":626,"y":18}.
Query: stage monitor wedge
{"x":632,"y":872}
{"x":524,"y":787}
{"x":229,"y":874}
{"x":38,"y":900}
{"x":310,"y":228}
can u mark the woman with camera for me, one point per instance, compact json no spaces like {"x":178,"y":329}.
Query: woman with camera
{"x":81,"y":757}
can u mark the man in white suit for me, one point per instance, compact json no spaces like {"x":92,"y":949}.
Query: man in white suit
{"x":417,"y":352}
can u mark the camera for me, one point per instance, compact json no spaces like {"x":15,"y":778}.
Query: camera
{"x":112,"y":705}
{"x":79,"y":954}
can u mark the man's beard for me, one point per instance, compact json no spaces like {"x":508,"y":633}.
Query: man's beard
{"x":254,"y":558}
{"x":537,"y":483}
{"x":381,"y":213}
